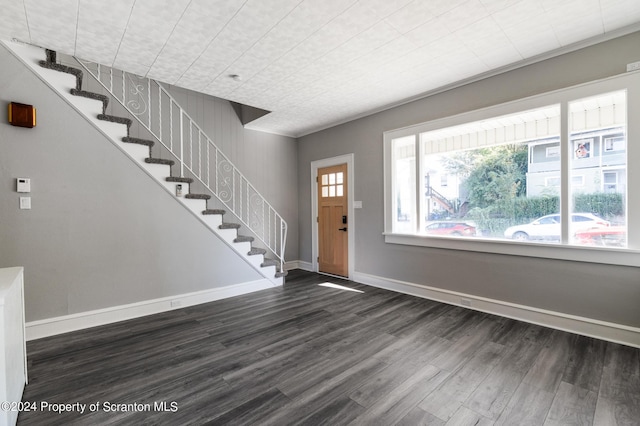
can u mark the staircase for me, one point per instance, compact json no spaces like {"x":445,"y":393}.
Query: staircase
{"x":249,"y":211}
{"x":440,"y":199}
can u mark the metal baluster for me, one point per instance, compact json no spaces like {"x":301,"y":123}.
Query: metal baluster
{"x":248,"y":203}
{"x":124,"y":92}
{"x":149,"y":99}
{"x":160,"y":110}
{"x":181,"y":145}
{"x":171,"y":124}
{"x":208,"y":173}
{"x":191,"y":146}
{"x":216,"y":172}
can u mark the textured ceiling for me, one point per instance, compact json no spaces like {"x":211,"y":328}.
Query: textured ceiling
{"x":313,"y":63}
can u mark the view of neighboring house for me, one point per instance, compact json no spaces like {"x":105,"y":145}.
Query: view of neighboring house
{"x":598,"y":163}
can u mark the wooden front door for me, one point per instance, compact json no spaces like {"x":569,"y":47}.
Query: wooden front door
{"x":333,"y":223}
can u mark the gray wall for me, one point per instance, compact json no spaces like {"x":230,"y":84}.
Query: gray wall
{"x":101,"y":232}
{"x":608,"y":293}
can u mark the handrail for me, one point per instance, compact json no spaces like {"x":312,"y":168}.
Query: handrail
{"x":155,"y":112}
{"x":441,"y":198}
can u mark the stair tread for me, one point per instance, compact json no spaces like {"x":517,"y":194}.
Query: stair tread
{"x":198,"y":196}
{"x":282,"y":274}
{"x":256,"y":251}
{"x":179,"y":179}
{"x":91,"y":95}
{"x":243,"y":238}
{"x":214,"y":211}
{"x":269,"y":262}
{"x":138,"y":141}
{"x":229,"y":225}
{"x":115,"y":119}
{"x":152,"y":160}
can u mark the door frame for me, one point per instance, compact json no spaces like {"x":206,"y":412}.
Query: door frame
{"x":318,"y":164}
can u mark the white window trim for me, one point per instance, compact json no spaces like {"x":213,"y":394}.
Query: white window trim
{"x":553,"y":151}
{"x":614,"y":256}
{"x":604,"y":144}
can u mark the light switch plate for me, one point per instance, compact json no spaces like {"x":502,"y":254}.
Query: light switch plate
{"x":25,"y":203}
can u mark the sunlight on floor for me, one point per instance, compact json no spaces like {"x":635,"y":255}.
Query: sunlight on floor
{"x":339,"y":287}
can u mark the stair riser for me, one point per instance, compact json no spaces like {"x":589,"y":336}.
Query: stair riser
{"x":61,"y":80}
{"x":89,"y":106}
{"x":135,"y":151}
{"x":269,"y":271}
{"x":194,"y":205}
{"x":212,"y":220}
{"x":228,"y":234}
{"x":116,"y":131}
{"x":158,"y":171}
{"x":244,"y":247}
{"x":256,"y":260}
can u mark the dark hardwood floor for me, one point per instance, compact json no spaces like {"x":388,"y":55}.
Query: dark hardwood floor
{"x":306,"y":354}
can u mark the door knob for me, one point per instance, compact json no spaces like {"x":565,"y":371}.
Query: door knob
{"x":343,"y":229}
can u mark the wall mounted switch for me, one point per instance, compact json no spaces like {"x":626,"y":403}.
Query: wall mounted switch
{"x":25,"y":203}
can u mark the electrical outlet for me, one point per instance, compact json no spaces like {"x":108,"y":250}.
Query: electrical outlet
{"x":176,"y":303}
{"x":634,"y":66}
{"x":465,"y":302}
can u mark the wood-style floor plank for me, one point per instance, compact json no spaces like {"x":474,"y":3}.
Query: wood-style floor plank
{"x":572,"y":406}
{"x":305,"y":354}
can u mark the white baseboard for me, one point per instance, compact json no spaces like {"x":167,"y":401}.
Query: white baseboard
{"x":64,"y":324}
{"x":616,"y":333}
{"x":298,"y":264}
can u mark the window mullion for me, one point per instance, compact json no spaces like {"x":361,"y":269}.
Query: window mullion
{"x":419,"y":185}
{"x":565,"y":157}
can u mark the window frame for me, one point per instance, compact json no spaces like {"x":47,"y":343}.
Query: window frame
{"x":613,"y":148}
{"x":552,"y":151}
{"x":630,"y":256}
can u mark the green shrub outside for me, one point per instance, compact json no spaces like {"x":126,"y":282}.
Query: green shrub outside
{"x":494,"y":219}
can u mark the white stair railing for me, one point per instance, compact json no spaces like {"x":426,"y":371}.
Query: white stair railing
{"x":155,"y":109}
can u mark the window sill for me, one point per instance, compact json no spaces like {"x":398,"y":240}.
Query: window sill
{"x":605,"y":255}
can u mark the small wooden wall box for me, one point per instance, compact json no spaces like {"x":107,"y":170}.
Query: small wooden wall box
{"x":22,"y":115}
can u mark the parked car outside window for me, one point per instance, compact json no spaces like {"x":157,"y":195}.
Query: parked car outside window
{"x":611,"y":236}
{"x":548,"y":227}
{"x":456,"y":229}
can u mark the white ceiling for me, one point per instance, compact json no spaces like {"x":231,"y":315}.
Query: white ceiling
{"x":313,"y":63}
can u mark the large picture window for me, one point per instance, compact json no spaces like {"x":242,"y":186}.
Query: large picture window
{"x":550,"y":171}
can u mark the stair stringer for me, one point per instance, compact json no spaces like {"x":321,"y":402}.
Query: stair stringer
{"x":62,"y":83}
